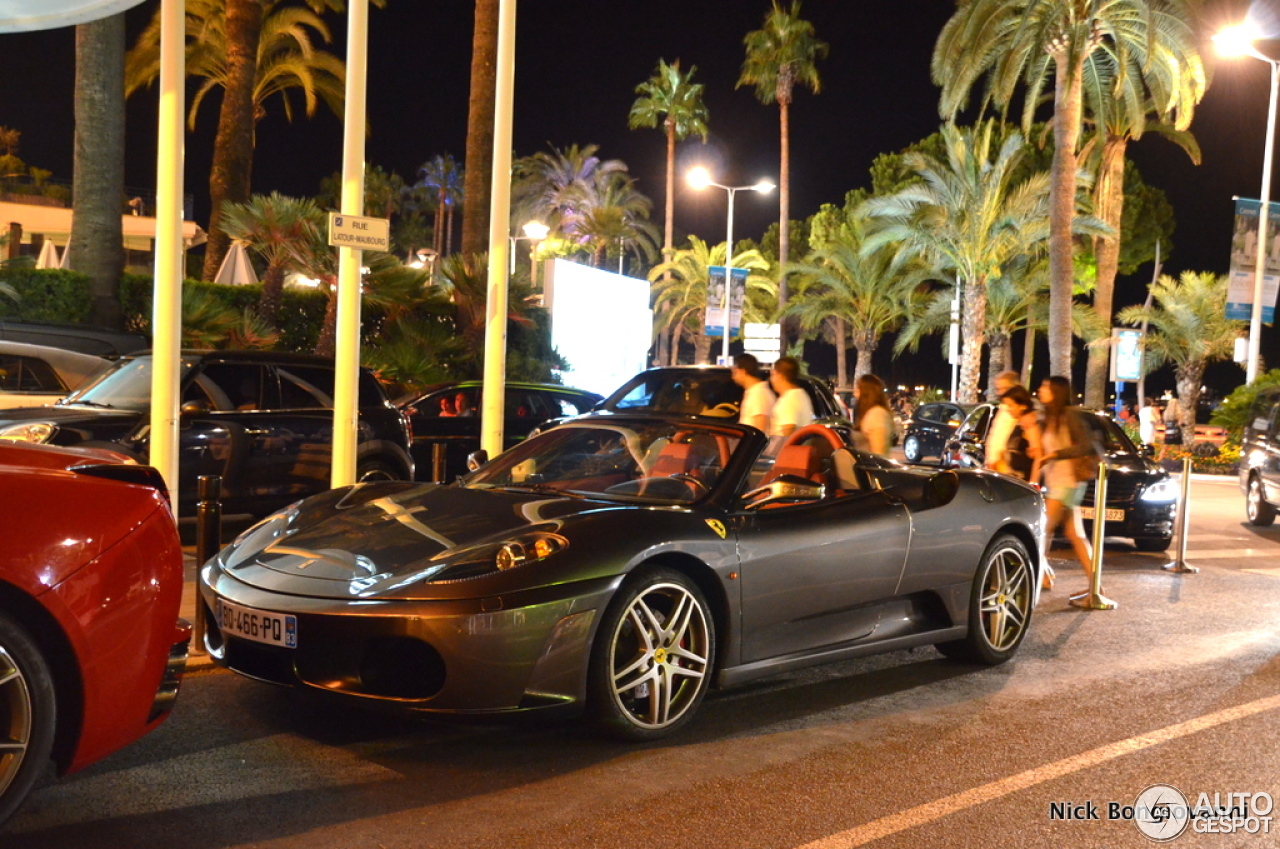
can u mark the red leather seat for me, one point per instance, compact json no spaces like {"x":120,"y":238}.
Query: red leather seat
{"x":799,"y":460}
{"x":677,"y":458}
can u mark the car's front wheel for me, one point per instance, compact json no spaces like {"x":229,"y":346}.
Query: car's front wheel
{"x":1255,"y":504}
{"x":652,"y":659}
{"x":1000,"y":605}
{"x":373,"y":471}
{"x":911,"y":448}
{"x":27,"y":711}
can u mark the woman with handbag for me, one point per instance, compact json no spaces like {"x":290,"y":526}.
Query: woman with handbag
{"x":1069,"y":461}
{"x":1022,"y":447}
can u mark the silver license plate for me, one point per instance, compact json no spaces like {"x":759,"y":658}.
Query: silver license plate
{"x":1114,"y":514}
{"x":261,"y":626}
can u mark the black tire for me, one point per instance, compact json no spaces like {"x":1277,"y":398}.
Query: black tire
{"x":1260,"y":513}
{"x":999,"y":606}
{"x":28,"y":710}
{"x":911,"y":449}
{"x":374,"y":471}
{"x":663,"y":673}
{"x":1154,"y":544}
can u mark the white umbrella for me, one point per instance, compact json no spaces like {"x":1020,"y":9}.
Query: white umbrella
{"x":48,"y":256}
{"x":236,"y":270}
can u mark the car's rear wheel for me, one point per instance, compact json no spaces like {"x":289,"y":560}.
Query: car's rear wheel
{"x":1154,"y":544}
{"x":911,"y":448}
{"x":27,"y":712}
{"x":1000,"y":605}
{"x":651,"y":663}
{"x":1255,"y":504}
{"x":373,"y":471}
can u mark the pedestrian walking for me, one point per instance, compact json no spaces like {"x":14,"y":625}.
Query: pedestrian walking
{"x":793,"y":409}
{"x":1003,"y":423}
{"x":1023,"y":444}
{"x":1069,"y":460}
{"x":873,"y":418}
{"x":1172,"y":427}
{"x":757,"y":398}
{"x":1148,"y":414}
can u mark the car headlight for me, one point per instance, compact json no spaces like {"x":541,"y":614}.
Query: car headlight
{"x":528,"y":550}
{"x":489,"y":558}
{"x":38,"y":432}
{"x":1160,"y":492}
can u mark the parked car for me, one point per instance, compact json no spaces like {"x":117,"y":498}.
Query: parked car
{"x":91,"y":647}
{"x":262,"y":420}
{"x":704,"y":391}
{"x":622,"y":565}
{"x":84,"y":338}
{"x":34,"y":375}
{"x":1260,"y":459}
{"x":437,"y":418}
{"x":1141,"y":497}
{"x":929,"y":428}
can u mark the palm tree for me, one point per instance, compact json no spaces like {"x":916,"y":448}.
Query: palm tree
{"x":96,"y":246}
{"x":252,"y":50}
{"x":965,"y":221}
{"x":682,"y":285}
{"x":854,"y":294}
{"x":1186,"y":326}
{"x":271,"y":224}
{"x":1122,"y":105}
{"x":672,"y":99}
{"x":780,"y":56}
{"x":558,"y":187}
{"x":1028,"y":43}
{"x":480,"y":114}
{"x":614,"y":218}
{"x":442,"y":176}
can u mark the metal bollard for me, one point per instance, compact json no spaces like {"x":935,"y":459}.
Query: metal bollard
{"x":1183,"y":524}
{"x":437,"y":462}
{"x":1094,"y":599}
{"x":208,"y":540}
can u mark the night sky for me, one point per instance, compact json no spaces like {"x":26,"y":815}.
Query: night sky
{"x":578,"y":63}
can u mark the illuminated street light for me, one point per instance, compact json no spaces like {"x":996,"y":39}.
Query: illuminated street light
{"x":535,"y":232}
{"x":700,"y":178}
{"x":1238,"y":41}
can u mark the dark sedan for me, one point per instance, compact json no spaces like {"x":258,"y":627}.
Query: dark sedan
{"x":623,"y":565}
{"x":1142,"y":498}
{"x":261,"y":420}
{"x":704,"y":391}
{"x":448,"y":415}
{"x":930,"y":427}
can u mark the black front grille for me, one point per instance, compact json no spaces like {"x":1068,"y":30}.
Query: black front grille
{"x":266,"y":663}
{"x":1120,"y":490}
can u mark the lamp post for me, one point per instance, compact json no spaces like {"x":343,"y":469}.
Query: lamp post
{"x":1238,"y":41}
{"x":700,"y":178}
{"x":534,"y":231}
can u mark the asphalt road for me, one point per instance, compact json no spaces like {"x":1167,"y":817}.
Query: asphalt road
{"x":1180,"y":686}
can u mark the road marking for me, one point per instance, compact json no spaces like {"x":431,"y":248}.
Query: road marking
{"x":1219,"y":553}
{"x":1271,"y":573}
{"x":930,"y":811}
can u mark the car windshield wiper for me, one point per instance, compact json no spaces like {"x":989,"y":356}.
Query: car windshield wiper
{"x":82,"y":403}
{"x":545,"y":488}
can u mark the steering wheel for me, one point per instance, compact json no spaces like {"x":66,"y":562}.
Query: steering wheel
{"x":802,"y":434}
{"x":698,"y":485}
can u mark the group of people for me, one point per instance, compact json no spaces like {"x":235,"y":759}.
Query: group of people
{"x":1057,"y":448}
{"x":1150,"y":414}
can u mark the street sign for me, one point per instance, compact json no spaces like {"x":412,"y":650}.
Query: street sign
{"x":763,"y":341}
{"x":1126,"y":354}
{"x":357,"y":231}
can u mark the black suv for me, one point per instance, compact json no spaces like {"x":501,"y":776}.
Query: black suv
{"x":705,"y":391}
{"x":261,"y":420}
{"x":448,"y":414}
{"x":1141,"y":497}
{"x":930,"y":427}
{"x":1260,"y":459}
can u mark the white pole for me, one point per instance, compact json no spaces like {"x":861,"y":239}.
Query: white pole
{"x":347,"y":351}
{"x":166,"y":315}
{"x":728,"y":279}
{"x":495,"y":337}
{"x":1255,"y":314}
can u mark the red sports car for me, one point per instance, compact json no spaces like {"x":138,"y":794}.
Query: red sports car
{"x":91,"y":647}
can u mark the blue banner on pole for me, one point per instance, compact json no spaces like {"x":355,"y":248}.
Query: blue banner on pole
{"x":1245,"y":250}
{"x":713,"y":325}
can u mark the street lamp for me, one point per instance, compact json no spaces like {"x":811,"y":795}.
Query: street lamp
{"x":534,"y":231}
{"x":1238,"y":41}
{"x":700,"y":178}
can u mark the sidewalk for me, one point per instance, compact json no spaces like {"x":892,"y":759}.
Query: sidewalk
{"x":197,"y":660}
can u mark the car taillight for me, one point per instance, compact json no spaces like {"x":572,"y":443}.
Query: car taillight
{"x":126,"y":473}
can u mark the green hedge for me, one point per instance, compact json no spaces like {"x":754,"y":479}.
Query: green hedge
{"x":47,"y":295}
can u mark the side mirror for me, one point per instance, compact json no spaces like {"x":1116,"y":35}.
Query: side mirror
{"x":194,"y":408}
{"x":785,"y":488}
{"x":476,"y":459}
{"x":1148,"y":451}
{"x":971,"y":438}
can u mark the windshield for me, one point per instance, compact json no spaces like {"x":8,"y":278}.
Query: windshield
{"x":125,"y":386}
{"x":653,"y":461}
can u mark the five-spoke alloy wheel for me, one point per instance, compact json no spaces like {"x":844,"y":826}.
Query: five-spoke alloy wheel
{"x":26,"y":715}
{"x":651,"y":664}
{"x":1255,"y":504}
{"x":1000,"y":607}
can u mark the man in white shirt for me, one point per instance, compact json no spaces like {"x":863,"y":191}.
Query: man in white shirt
{"x":1003,"y":424}
{"x":757,"y":398}
{"x":793,"y":408}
